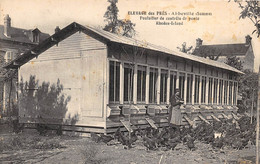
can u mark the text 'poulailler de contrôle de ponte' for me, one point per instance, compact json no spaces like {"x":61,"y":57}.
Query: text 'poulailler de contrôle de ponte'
{"x":169,"y":18}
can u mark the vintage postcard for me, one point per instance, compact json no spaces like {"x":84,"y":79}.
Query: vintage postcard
{"x":129,"y":81}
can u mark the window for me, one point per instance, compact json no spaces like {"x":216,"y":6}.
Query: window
{"x":220,"y":92}
{"x":9,"y":55}
{"x":173,"y":77}
{"x":36,"y":36}
{"x":153,"y":85}
{"x":203,"y":89}
{"x":189,"y":88}
{"x":225,"y":92}
{"x":235,"y":94}
{"x":141,"y":83}
{"x":128,"y":82}
{"x":181,"y":84}
{"x":215,"y":93}
{"x":197,"y":88}
{"x":210,"y":98}
{"x":163,"y":86}
{"x":230,"y":93}
{"x":114,"y":81}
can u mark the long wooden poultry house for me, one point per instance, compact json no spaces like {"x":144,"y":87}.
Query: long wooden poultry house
{"x":111,"y":79}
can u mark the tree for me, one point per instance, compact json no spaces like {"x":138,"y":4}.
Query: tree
{"x":111,"y":16}
{"x":248,"y":83}
{"x":248,"y":87}
{"x":251,"y":9}
{"x":184,"y":48}
{"x":235,"y":62}
{"x":114,"y":25}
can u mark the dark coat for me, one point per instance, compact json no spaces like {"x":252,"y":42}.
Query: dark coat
{"x":175,"y":112}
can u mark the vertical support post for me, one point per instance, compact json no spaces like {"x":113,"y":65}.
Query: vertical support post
{"x":135,"y":85}
{"x":212,"y":91}
{"x":223,"y":91}
{"x":121,"y":99}
{"x":218,"y":92}
{"x":232,"y":93}
{"x":158,"y":86}
{"x":147,"y":85}
{"x":207,"y":91}
{"x":106,"y":89}
{"x":168,"y":88}
{"x":193,"y":89}
{"x":228,"y":92}
{"x":236,"y":93}
{"x":200,"y":85}
{"x":185,"y":89}
{"x":177,"y":80}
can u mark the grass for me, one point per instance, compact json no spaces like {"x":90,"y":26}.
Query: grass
{"x":89,"y":154}
{"x":21,"y":142}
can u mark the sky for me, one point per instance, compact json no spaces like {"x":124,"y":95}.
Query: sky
{"x":223,"y":26}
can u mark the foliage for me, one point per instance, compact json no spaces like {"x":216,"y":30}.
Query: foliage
{"x":247,"y":87}
{"x":21,"y":142}
{"x":47,"y":144}
{"x":123,"y":27}
{"x":235,"y":62}
{"x":251,"y":10}
{"x":184,"y":48}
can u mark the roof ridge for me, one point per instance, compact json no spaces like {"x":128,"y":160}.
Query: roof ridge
{"x":224,"y":44}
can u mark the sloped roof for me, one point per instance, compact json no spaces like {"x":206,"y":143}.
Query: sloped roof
{"x":222,"y":50}
{"x":107,"y":37}
{"x":21,"y":35}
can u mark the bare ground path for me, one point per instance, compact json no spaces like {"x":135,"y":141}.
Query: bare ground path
{"x":71,"y":150}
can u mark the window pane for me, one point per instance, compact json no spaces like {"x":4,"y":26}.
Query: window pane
{"x":141,"y":83}
{"x":203,"y":89}
{"x":128,"y":82}
{"x":163,"y":87}
{"x":220,"y":91}
{"x":189,"y":88}
{"x":117,"y":85}
{"x":114,"y":81}
{"x":230,"y":93}
{"x":225,"y":92}
{"x":111,"y":82}
{"x":197,"y":85}
{"x":215,"y":88}
{"x":210,"y":91}
{"x":181,"y":84}
{"x":235,"y":94}
{"x":173,"y":77}
{"x":153,"y":85}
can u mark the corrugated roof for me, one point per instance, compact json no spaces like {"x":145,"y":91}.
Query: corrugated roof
{"x":130,"y":41}
{"x":106,"y":37}
{"x":222,"y":50}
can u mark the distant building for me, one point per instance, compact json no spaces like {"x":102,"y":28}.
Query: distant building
{"x":13,"y":42}
{"x":243,"y":51}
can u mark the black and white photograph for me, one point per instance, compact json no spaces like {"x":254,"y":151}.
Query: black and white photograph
{"x":129,"y":81}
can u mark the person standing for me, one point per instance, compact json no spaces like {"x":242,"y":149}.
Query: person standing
{"x":175,"y":111}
